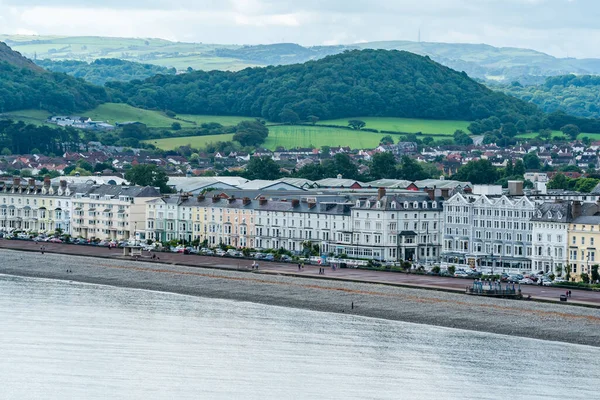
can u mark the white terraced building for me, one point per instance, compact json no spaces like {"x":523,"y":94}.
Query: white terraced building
{"x":494,"y":233}
{"x":35,"y":207}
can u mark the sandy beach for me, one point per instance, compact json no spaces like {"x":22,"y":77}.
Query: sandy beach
{"x":519,"y":318}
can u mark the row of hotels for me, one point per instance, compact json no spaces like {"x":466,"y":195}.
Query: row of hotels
{"x":438,"y":222}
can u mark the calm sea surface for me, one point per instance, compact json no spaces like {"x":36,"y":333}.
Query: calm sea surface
{"x":69,"y":340}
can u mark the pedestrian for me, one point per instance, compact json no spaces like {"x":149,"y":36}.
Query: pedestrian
{"x":569,"y":293}
{"x":353,"y":305}
{"x":256,"y":265}
{"x":303,"y":266}
{"x":298,"y":266}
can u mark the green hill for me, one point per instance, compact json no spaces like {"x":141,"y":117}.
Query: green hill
{"x":375,"y":83}
{"x":23,"y":85}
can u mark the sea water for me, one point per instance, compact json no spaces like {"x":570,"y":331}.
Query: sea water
{"x":63,"y":340}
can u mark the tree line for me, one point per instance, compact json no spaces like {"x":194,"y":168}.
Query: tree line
{"x":105,"y":70}
{"x":21,"y":138}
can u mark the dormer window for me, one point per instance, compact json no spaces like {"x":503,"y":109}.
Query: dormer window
{"x":368,"y":205}
{"x":416,"y":204}
{"x":559,"y":215}
{"x":424,"y":204}
{"x":434,"y":205}
{"x":406,"y":204}
{"x":378,"y":204}
{"x":393,"y":205}
{"x":539,"y":214}
{"x":549,"y":215}
{"x":357,"y":203}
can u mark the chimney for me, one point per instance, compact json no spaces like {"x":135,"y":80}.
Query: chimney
{"x":215,"y":199}
{"x":31,"y":182}
{"x":201,"y":197}
{"x":46,"y":180}
{"x":380,"y":193}
{"x":295,"y":203}
{"x":311,"y":204}
{"x":515,"y":188}
{"x":231,"y":199}
{"x":16,"y":181}
{"x":63,"y":184}
{"x":262,"y":201}
{"x":576,"y":208}
{"x":246,"y":200}
{"x":446,"y":193}
{"x":431,"y":193}
{"x":339,"y":176}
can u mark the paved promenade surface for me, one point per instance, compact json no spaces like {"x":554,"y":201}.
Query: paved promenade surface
{"x":581,"y":297}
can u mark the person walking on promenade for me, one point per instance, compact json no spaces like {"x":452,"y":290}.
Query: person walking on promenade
{"x":298,"y":266}
{"x":569,"y":293}
{"x":253,"y":264}
{"x":303,"y":266}
{"x":42,"y":249}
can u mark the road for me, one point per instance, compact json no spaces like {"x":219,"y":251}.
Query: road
{"x":367,"y":276}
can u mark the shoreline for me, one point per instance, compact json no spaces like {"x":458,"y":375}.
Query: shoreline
{"x":545,"y":321}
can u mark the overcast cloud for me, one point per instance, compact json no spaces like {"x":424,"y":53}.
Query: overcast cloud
{"x":558,"y":27}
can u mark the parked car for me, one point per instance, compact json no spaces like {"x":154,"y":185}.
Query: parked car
{"x":207,"y":251}
{"x":547,"y":282}
{"x":461,"y":274}
{"x":259,"y":256}
{"x":220,"y":252}
{"x":286,"y":258}
{"x":55,"y":240}
{"x":526,"y":281}
{"x":269,"y":257}
{"x":559,"y":280}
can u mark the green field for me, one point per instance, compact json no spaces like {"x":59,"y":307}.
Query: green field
{"x":223,"y":120}
{"x":288,"y":137}
{"x":410,"y":125}
{"x":36,"y":117}
{"x":119,"y":112}
{"x":194,"y":141}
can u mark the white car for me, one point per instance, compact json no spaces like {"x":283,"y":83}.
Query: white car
{"x":546,"y":282}
{"x":220,"y":252}
{"x":559,"y":280}
{"x":526,"y":281}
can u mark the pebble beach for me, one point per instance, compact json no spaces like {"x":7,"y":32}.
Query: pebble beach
{"x":565,"y":323}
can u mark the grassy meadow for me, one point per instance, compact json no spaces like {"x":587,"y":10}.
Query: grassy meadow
{"x":194,"y":141}
{"x":288,"y":137}
{"x":409,"y":125}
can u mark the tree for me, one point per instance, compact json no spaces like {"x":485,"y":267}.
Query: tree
{"x":262,"y":168}
{"x":342,"y":165}
{"x":477,"y":172}
{"x":383,"y":165}
{"x":313,"y":119}
{"x":386,"y":140}
{"x":531,"y":161}
{"x":509,"y":130}
{"x":289,"y":117}
{"x":571,"y":131}
{"x":521,"y":126}
{"x":148,"y":175}
{"x":509,"y":170}
{"x":545,"y":134}
{"x":356,"y":124}
{"x":411,"y":169}
{"x":83,"y":164}
{"x":595,"y":275}
{"x":559,"y":181}
{"x":176,"y":126}
{"x":461,"y":138}
{"x":519,"y":168}
{"x":251,"y":133}
{"x":6,"y":152}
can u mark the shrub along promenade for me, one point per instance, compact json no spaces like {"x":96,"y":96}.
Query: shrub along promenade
{"x":367,"y":293}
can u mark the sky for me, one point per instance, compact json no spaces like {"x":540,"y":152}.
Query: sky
{"x":558,"y":27}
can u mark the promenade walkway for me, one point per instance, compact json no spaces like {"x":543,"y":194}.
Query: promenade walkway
{"x":541,"y":293}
